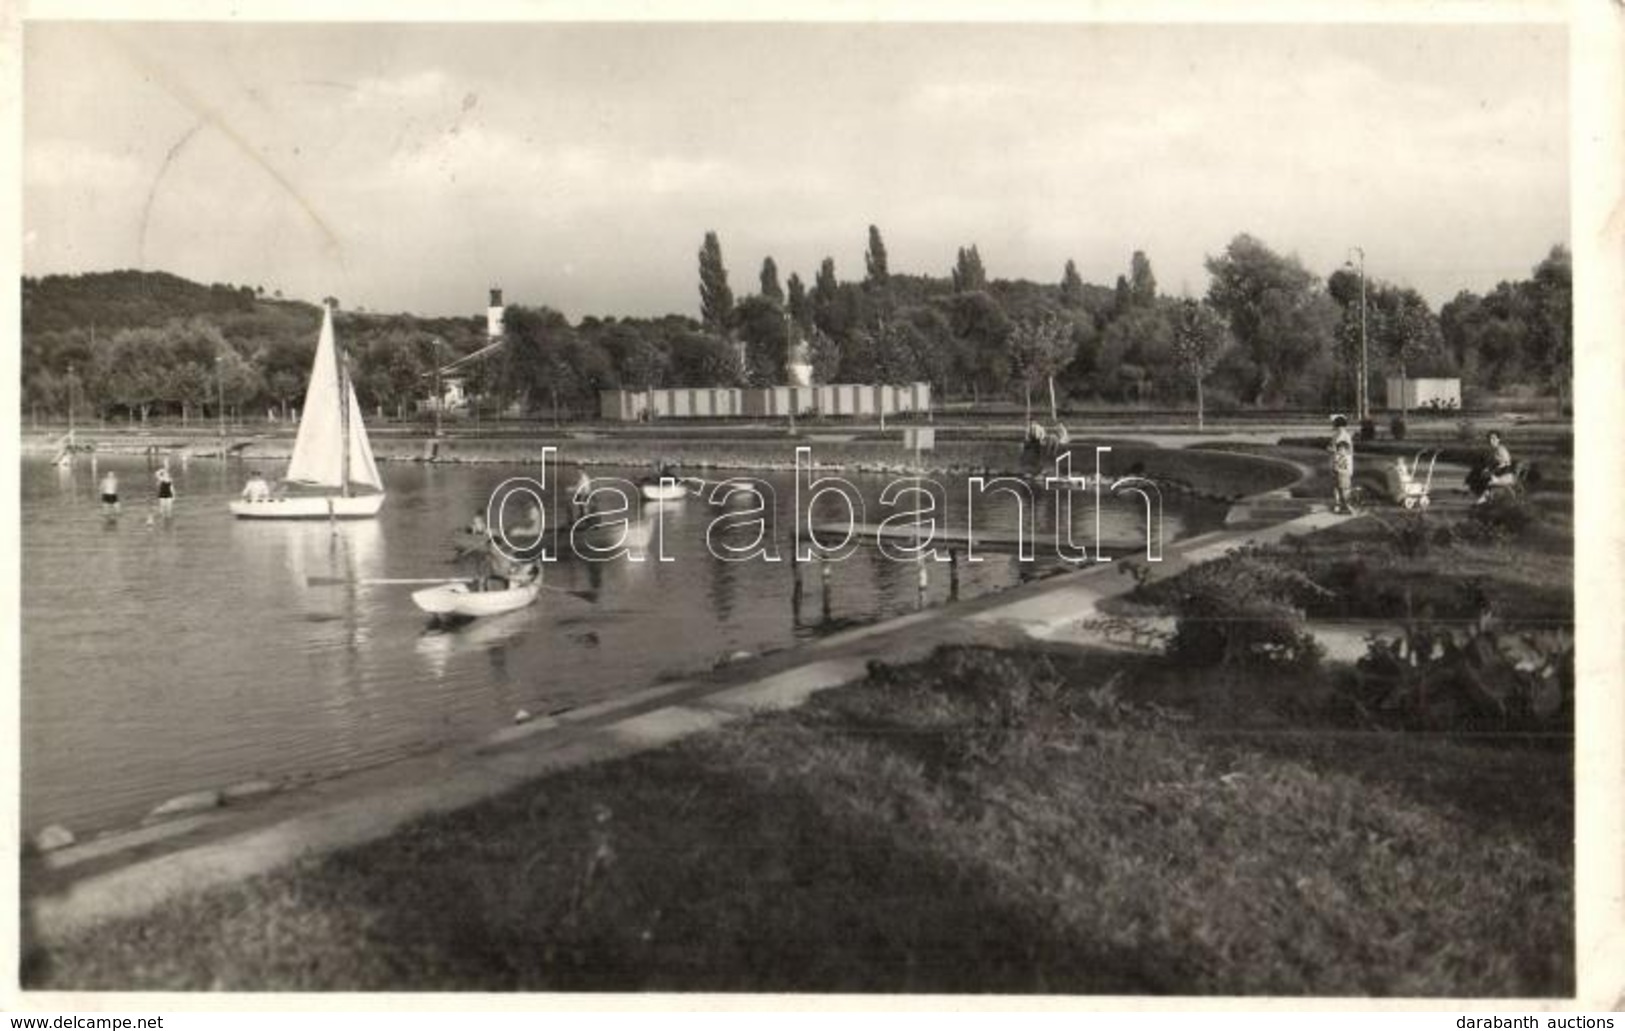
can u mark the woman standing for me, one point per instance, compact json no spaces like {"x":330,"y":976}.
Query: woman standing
{"x":109,"y":490}
{"x":166,"y":491}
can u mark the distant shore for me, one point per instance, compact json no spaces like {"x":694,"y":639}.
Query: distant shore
{"x":960,"y":450}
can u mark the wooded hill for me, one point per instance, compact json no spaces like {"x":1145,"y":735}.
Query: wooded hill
{"x":1267,"y":332}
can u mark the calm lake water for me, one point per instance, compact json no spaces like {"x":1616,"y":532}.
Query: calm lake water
{"x":160,"y":658}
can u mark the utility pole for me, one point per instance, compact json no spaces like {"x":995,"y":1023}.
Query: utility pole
{"x":439,"y":395}
{"x":1362,"y":392}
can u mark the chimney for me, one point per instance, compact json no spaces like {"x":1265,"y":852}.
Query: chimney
{"x":493,"y":314}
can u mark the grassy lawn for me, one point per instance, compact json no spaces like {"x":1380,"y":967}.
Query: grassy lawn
{"x":984,"y":821}
{"x":1443,"y":564}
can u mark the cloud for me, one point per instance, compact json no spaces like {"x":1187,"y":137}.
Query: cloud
{"x":397,"y":90}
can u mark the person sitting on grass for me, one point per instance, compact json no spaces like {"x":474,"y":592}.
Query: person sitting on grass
{"x":1498,"y":470}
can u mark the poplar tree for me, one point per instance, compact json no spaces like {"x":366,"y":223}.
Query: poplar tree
{"x":1142,"y":284}
{"x":716,"y":300}
{"x":875,"y":258}
{"x":968,"y":274}
{"x":800,"y":309}
{"x":770,"y":281}
{"x":1071,"y":286}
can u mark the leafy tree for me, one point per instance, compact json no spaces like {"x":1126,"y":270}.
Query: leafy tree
{"x":824,"y":351}
{"x":1071,"y":286}
{"x":981,"y":334}
{"x":770,"y":281}
{"x":1142,"y":284}
{"x":875,"y":259}
{"x":716,"y":300}
{"x":1137,"y":352}
{"x":887,"y":353}
{"x":1200,"y":339}
{"x":968,"y":275}
{"x":1039,"y":348}
{"x":1274,"y":310}
{"x":762,"y":326}
{"x":1122,"y":297}
{"x":1551,"y":344}
{"x":1404,"y":330}
{"x":541,"y":360}
{"x":132,"y":370}
{"x":933,"y":342}
{"x":1081,"y":375}
{"x":826,"y":300}
{"x":189,"y":374}
{"x":704,"y":360}
{"x":800,"y":308}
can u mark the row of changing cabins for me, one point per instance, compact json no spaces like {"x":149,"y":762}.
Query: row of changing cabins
{"x":764,"y":402}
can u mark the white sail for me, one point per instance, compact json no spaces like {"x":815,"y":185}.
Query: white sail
{"x":319,"y":449}
{"x":363,"y":469}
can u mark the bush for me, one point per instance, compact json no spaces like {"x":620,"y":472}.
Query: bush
{"x":1409,"y":533}
{"x":1368,"y":430}
{"x":1396,"y":427}
{"x":1501,"y":519}
{"x":1219,"y":399}
{"x":1476,"y":678}
{"x":1244,"y":610}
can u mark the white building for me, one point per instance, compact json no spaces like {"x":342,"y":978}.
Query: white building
{"x":1434,"y":393}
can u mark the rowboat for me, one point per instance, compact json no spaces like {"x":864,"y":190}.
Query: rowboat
{"x":332,"y":474}
{"x":655,"y":490}
{"x":460,"y":600}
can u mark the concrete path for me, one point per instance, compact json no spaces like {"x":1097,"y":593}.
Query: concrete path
{"x":124,"y":875}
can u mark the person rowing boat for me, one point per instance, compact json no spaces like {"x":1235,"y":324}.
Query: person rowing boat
{"x":492,"y":567}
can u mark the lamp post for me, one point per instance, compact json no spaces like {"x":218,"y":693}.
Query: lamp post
{"x":1361,"y":401}
{"x":439,"y":395}
{"x":220,"y":400}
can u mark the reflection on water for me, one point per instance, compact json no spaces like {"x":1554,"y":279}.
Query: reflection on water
{"x":200,"y":651}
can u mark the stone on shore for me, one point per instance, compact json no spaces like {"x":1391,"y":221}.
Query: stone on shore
{"x":53,"y":837}
{"x":246,"y":790}
{"x":192,"y":802}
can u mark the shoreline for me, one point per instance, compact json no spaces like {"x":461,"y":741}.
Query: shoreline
{"x":274,"y":848}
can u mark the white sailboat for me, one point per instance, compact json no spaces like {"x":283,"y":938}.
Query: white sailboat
{"x":332,"y":474}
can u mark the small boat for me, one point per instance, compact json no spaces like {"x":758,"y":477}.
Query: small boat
{"x":655,"y":490}
{"x":460,"y":600}
{"x":332,"y":474}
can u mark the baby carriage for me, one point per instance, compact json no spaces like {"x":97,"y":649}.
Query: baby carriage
{"x":1405,"y":483}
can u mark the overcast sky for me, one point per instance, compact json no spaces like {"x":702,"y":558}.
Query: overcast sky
{"x":410,"y":167}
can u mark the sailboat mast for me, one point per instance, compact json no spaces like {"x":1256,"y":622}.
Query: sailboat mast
{"x":344,"y":414}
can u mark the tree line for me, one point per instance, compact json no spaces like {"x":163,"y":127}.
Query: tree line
{"x":1268,"y":332}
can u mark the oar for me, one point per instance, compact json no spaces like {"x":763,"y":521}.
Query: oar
{"x":339,"y":581}
{"x":591,"y":597}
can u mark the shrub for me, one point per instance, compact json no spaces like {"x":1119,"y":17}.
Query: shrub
{"x":1473,"y":678}
{"x":1368,"y":430}
{"x":1409,"y":534}
{"x":1500,"y":520}
{"x":1396,"y":427}
{"x":1244,"y":610}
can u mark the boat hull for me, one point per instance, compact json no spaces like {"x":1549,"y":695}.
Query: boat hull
{"x":456,"y":600}
{"x":359,"y":506}
{"x":663,"y":491}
